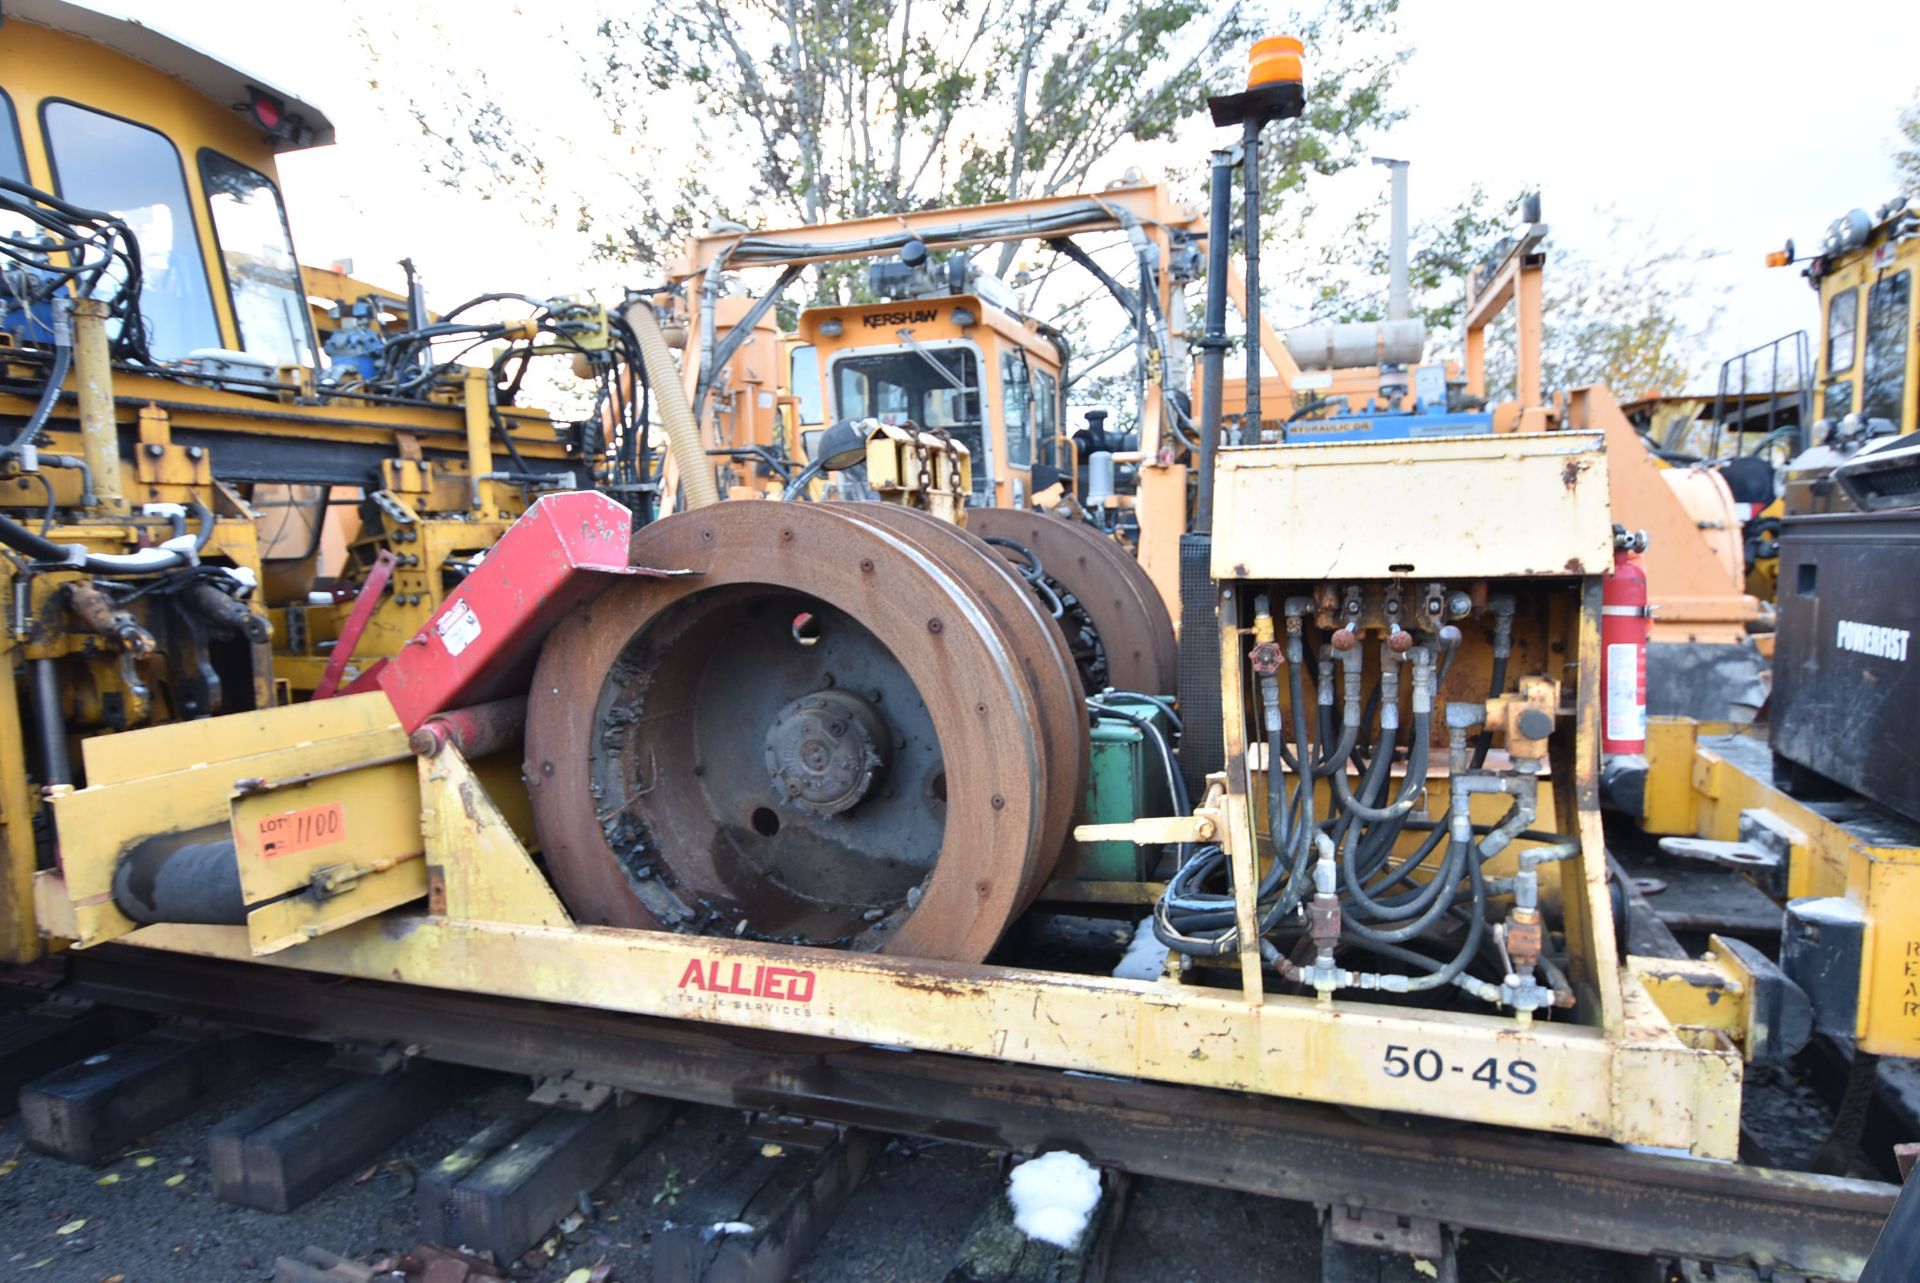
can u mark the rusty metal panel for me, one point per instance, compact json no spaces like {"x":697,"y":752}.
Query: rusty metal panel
{"x":1453,"y":507}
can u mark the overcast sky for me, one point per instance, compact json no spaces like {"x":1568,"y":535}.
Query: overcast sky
{"x":1729,"y":124}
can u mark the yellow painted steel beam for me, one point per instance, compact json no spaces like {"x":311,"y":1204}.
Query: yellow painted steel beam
{"x":345,"y":419}
{"x":1697,"y":789}
{"x":1714,"y":991}
{"x":182,"y":777}
{"x":1642,"y":1080}
{"x":1651,"y":1088}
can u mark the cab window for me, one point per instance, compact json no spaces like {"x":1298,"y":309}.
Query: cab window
{"x":1839,"y":402}
{"x":1017,"y":396}
{"x":1046,"y":410}
{"x":803,"y":376}
{"x":1883,"y":381}
{"x":903,"y":387}
{"x":105,"y":163}
{"x":13,"y":161}
{"x":23,"y":310}
{"x":1843,"y":315}
{"x":263,"y":277}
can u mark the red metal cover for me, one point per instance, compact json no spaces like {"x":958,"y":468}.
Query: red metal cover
{"x":481,"y":644}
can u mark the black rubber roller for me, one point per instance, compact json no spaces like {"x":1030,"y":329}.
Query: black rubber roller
{"x":190,"y":877}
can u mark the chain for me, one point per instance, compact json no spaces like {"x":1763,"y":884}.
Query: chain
{"x":926,"y":476}
{"x":953,"y":458}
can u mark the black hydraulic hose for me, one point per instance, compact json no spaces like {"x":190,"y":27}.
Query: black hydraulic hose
{"x":1439,"y":974}
{"x":20,"y":539}
{"x":797,"y":488}
{"x":1416,"y":772}
{"x":1476,"y":927}
{"x":1484,"y":741}
{"x":1279,"y":834}
{"x":204,"y":535}
{"x":49,"y":395}
{"x":1032,"y":569}
{"x":1303,"y":749}
{"x":1428,"y":904}
{"x":1158,"y":701}
{"x":1406,"y":869}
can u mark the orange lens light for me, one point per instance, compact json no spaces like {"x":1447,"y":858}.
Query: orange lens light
{"x":1779,"y":259}
{"x":1275,"y":61}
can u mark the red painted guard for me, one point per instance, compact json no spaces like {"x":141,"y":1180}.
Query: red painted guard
{"x":482,"y":642}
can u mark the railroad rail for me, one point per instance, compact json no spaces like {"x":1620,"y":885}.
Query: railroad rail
{"x":1481,"y":1178}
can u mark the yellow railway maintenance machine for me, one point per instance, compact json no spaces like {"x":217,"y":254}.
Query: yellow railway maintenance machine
{"x":1820,"y":808}
{"x":202,"y":513}
{"x":796,"y":767}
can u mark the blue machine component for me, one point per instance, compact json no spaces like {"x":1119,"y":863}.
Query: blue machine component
{"x":354,"y":349}
{"x":26,"y":304}
{"x":1429,"y":417}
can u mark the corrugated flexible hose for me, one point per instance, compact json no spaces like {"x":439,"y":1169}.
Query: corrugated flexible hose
{"x":697,"y":488}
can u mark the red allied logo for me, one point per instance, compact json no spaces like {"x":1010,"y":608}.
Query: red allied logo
{"x":749,"y":980}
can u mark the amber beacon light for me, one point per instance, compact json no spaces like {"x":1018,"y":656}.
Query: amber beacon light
{"x":1275,"y":61}
{"x":1275,"y":85}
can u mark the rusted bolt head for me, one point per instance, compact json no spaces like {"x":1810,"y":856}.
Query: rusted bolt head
{"x":934,"y":625}
{"x":786,"y":536}
{"x":1401,"y":642}
{"x":1266,"y":658}
{"x":999,"y":803}
{"x":866,"y":565}
{"x":1344,"y":639}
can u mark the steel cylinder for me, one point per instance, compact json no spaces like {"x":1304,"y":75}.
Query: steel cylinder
{"x":1357,"y":344}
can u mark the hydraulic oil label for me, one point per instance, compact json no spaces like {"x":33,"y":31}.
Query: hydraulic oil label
{"x":302,"y":830}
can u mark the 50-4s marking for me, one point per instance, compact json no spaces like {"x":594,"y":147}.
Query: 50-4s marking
{"x":1426,"y":1064}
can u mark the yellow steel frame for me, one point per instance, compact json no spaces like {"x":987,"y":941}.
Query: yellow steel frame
{"x":1698,"y":790}
{"x":491,"y":925}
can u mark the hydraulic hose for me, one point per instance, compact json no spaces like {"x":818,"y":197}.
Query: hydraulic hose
{"x":1428,"y":903}
{"x":168,"y":556}
{"x":56,"y":378}
{"x":1410,"y":786}
{"x":697,"y":487}
{"x":796,"y":488}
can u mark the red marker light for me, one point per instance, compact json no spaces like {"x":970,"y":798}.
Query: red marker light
{"x":268,"y":112}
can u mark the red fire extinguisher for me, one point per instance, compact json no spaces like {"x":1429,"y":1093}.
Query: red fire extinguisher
{"x":1624,"y":626}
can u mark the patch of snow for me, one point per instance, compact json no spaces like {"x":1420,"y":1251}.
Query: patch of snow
{"x":1145,"y":958}
{"x":728,"y":1227}
{"x":1053,"y":1195}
